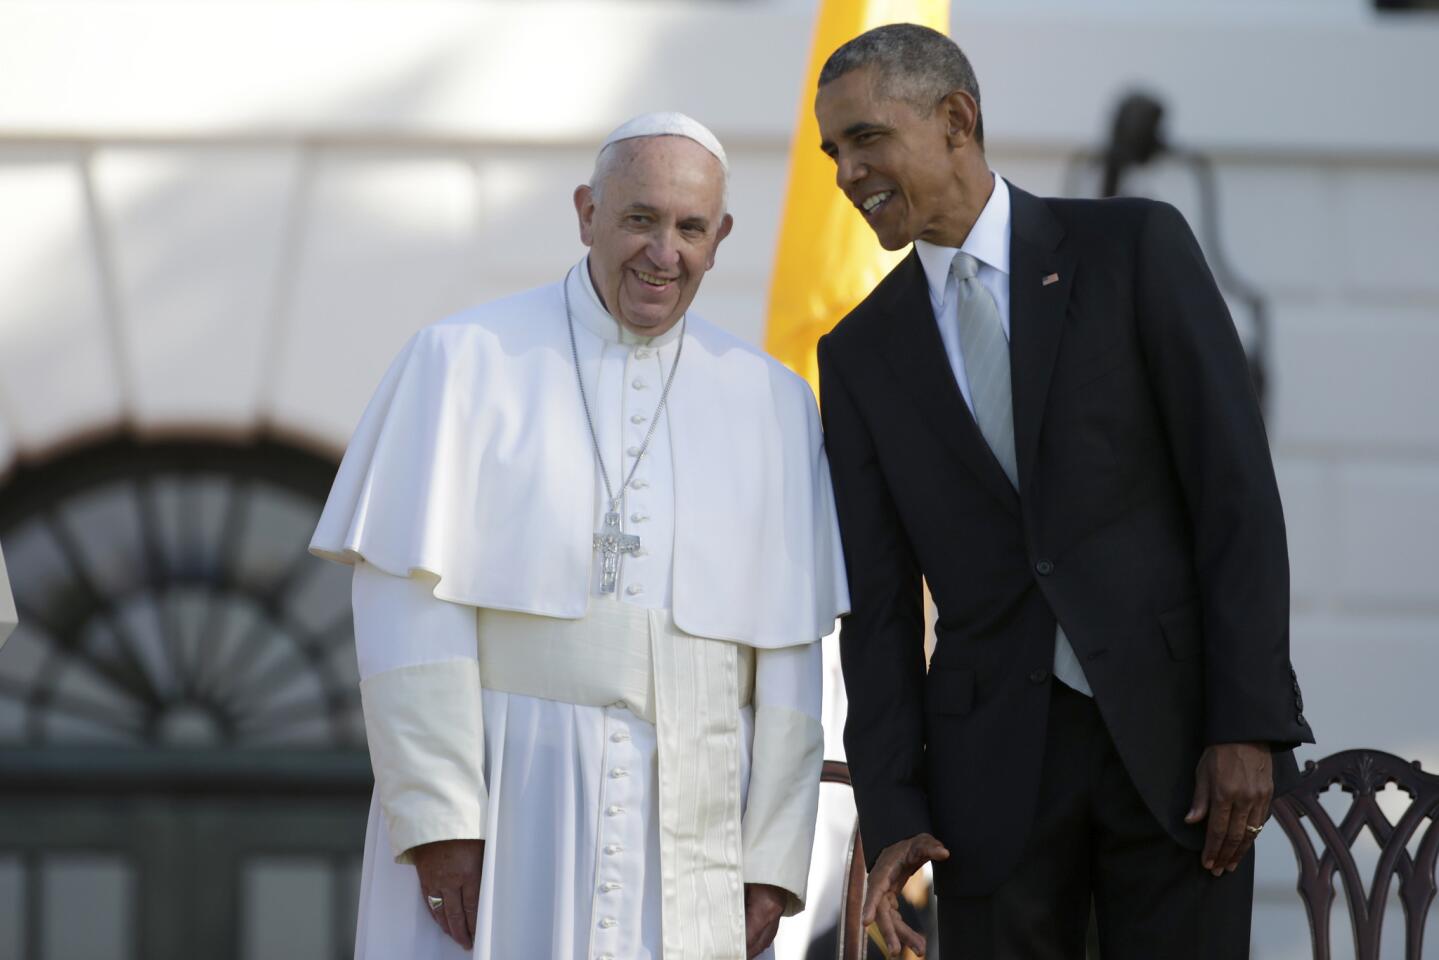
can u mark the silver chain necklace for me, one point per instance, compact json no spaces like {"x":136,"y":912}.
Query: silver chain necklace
{"x":611,"y":541}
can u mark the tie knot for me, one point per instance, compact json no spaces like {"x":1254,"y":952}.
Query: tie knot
{"x":964,"y":266}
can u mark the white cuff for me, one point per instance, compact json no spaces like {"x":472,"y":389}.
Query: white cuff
{"x":427,"y":744}
{"x":783,"y":803}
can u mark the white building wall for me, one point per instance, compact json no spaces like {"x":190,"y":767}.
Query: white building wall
{"x":228,"y":216}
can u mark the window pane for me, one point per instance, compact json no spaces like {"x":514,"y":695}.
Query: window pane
{"x":12,"y":908}
{"x":287,"y":909}
{"x":99,"y":889}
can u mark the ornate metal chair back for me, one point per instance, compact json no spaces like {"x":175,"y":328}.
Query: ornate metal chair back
{"x":1408,"y":847}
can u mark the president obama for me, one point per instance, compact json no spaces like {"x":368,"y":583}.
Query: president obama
{"x":1044,"y":412}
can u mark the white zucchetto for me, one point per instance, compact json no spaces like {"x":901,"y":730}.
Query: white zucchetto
{"x":668,"y":124}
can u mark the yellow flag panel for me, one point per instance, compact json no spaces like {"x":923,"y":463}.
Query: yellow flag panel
{"x":828,"y":258}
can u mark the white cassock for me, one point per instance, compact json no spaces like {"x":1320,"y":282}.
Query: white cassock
{"x":9,"y":619}
{"x":644,"y":754}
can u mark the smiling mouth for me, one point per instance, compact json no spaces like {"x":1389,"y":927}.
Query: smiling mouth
{"x":653,"y":280}
{"x":872,"y":203}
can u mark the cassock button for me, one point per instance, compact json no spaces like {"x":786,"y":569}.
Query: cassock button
{"x":609,"y":886}
{"x":642,"y":352}
{"x":638,"y":418}
{"x":635,"y":589}
{"x":1039,"y":676}
{"x":619,"y":736}
{"x":618,"y":773}
{"x":633,"y":451}
{"x":639,"y":483}
{"x":639,"y":383}
{"x":607,"y":923}
{"x":1044,"y":568}
{"x":638,"y":517}
{"x":612,"y":849}
{"x":614,"y":810}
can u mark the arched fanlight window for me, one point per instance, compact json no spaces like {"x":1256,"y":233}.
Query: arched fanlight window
{"x":179,"y":701}
{"x":166,"y":599}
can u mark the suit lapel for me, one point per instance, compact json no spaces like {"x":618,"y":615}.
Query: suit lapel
{"x":916,"y":355}
{"x":1036,"y":317}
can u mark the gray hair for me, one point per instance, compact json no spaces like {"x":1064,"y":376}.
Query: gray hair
{"x":611,"y":154}
{"x":913,"y":63}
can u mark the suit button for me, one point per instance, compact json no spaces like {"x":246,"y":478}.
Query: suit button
{"x":1039,"y":676}
{"x":1044,"y":568}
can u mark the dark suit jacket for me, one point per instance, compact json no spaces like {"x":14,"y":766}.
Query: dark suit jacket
{"x":1147,"y":522}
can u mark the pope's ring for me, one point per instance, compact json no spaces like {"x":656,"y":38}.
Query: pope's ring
{"x":1254,"y":830}
{"x":435,"y":902}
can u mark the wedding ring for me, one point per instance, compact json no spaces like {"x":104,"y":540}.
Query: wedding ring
{"x":1253,"y":830}
{"x":435,"y":902}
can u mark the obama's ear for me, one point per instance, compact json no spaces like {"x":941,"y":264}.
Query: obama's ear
{"x":961,"y":116}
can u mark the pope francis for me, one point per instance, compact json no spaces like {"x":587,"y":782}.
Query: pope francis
{"x":594,"y":550}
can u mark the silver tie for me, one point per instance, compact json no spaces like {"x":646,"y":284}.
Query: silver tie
{"x":986,"y":364}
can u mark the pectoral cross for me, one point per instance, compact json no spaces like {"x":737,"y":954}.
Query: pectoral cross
{"x":612,"y":541}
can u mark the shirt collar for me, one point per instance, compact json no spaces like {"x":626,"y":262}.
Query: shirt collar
{"x":988,"y":242}
{"x":589,"y":312}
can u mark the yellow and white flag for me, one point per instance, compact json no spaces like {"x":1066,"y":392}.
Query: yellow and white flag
{"x":828,"y":258}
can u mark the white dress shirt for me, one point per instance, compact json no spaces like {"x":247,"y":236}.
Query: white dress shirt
{"x":988,"y":242}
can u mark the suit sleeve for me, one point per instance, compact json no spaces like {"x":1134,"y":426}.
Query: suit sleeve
{"x":1220,"y":451}
{"x":882,"y":639}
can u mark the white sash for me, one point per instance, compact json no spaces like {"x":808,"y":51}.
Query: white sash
{"x":691,"y":688}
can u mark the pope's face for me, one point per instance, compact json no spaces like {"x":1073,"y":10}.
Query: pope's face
{"x":653,"y":229}
{"x":892,"y":162}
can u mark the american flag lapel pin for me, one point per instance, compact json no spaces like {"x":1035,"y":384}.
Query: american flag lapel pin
{"x":1052,"y":278}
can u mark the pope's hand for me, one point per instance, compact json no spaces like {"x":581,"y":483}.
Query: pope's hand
{"x":896,"y":864}
{"x":450,"y":870}
{"x":763,"y":905}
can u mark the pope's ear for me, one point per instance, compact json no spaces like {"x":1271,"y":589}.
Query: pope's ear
{"x":726,"y":225}
{"x":585,"y":209}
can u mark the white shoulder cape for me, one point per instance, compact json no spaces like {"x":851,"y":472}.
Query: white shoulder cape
{"x":473,"y":463}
